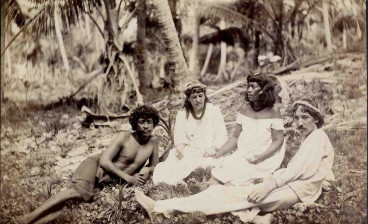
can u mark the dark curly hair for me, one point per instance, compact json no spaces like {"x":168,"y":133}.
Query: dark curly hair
{"x":187,"y":105}
{"x":311,"y":112}
{"x":268,"y":96}
{"x":143,"y":111}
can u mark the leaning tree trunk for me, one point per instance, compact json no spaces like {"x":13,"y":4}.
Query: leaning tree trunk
{"x":326,"y":25}
{"x":177,"y":67}
{"x":193,"y":59}
{"x":60,"y":40}
{"x":144,"y":81}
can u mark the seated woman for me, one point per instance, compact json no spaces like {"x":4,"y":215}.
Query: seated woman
{"x":199,"y":130}
{"x":258,"y":136}
{"x":300,"y":181}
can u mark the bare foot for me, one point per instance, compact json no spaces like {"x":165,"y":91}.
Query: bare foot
{"x":49,"y":218}
{"x":194,"y":186}
{"x":266,"y":219}
{"x":146,"y":202}
{"x":24,"y":219}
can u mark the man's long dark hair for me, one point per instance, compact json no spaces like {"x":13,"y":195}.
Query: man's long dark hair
{"x":268,"y":96}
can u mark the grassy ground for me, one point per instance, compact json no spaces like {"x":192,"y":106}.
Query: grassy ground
{"x":39,"y":154}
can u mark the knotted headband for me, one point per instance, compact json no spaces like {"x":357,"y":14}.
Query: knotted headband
{"x":304,"y":103}
{"x":194,"y":85}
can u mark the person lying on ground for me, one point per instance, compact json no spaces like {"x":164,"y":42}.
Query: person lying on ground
{"x":199,"y":130}
{"x":300,"y":181}
{"x":124,"y":158}
{"x":258,"y":136}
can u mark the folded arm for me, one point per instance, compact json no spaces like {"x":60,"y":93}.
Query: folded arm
{"x":231,"y":142}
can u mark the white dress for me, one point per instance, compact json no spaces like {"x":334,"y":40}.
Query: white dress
{"x":254,"y":139}
{"x":197,"y":135}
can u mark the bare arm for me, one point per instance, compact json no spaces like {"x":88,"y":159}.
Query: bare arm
{"x":153,"y":160}
{"x":277,"y":141}
{"x":108,"y":155}
{"x":231,"y":142}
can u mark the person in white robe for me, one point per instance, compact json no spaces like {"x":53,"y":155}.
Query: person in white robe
{"x":199,"y":131}
{"x":258,"y":136}
{"x":300,"y":181}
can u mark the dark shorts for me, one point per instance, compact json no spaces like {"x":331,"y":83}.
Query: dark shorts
{"x":87,"y":175}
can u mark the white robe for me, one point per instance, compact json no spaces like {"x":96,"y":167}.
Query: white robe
{"x":197,"y":135}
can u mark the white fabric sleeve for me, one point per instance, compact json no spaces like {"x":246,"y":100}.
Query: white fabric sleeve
{"x":306,"y":161}
{"x":239,"y":118}
{"x":219,"y":128}
{"x":180,"y":136}
{"x":277,"y":124}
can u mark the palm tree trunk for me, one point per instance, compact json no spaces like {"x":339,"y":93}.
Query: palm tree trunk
{"x":221,"y":68}
{"x":193,"y":59}
{"x":207,"y":61}
{"x":326,"y":25}
{"x":60,"y":40}
{"x":177,"y":65}
{"x":3,"y":26}
{"x":88,"y":28}
{"x":344,"y":45}
{"x":9,"y":72}
{"x":144,"y":81}
{"x":359,"y":31}
{"x":256,"y":48}
{"x":131,"y":74}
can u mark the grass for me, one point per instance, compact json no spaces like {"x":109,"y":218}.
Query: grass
{"x":32,"y":139}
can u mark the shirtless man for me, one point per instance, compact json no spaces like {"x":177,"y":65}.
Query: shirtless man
{"x":125,"y":158}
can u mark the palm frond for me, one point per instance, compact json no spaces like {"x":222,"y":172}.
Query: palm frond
{"x":43,"y":21}
{"x":227,"y":12}
{"x":346,"y":22}
{"x":69,"y":11}
{"x":229,"y":35}
{"x":12,"y":10}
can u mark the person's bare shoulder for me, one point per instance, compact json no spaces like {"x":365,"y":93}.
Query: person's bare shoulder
{"x":123,"y":137}
{"x":246,"y":109}
{"x":153,"y":140}
{"x":275,"y":112}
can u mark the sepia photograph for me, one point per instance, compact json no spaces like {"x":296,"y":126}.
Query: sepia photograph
{"x":183,"y":111}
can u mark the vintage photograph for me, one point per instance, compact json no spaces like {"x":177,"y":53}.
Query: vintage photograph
{"x":183,"y":111}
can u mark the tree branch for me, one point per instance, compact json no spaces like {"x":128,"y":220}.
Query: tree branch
{"x":118,"y":13}
{"x":96,"y":24}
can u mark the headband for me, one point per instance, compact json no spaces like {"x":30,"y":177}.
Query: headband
{"x":304,"y":103}
{"x":193,"y":85}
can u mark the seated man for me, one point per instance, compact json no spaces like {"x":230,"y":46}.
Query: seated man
{"x":300,"y":181}
{"x":125,"y":158}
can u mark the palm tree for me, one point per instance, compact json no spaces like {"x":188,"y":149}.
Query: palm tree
{"x":69,"y":11}
{"x":326,"y":24}
{"x":177,"y":65}
{"x":10,"y":11}
{"x":141,"y":55}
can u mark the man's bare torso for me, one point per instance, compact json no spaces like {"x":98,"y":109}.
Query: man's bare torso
{"x":132,"y":155}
